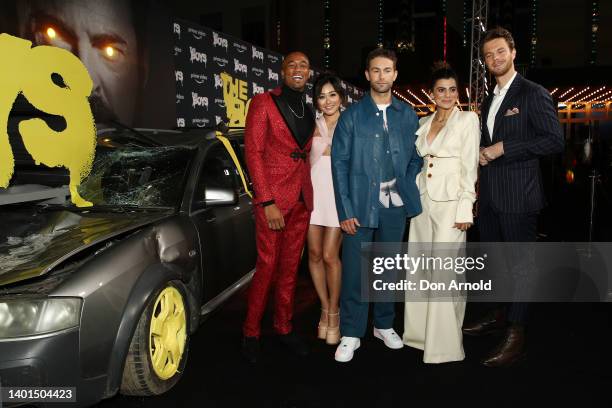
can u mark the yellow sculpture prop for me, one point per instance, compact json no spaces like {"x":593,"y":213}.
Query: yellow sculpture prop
{"x":236,"y":100}
{"x":29,"y":70}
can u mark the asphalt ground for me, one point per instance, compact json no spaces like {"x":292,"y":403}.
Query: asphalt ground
{"x":568,"y":364}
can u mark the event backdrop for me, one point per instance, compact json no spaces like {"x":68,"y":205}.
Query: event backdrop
{"x":216,"y":76}
{"x":151,"y":71}
{"x":125,"y":46}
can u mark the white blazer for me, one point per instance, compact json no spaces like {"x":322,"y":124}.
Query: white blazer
{"x":450,"y":163}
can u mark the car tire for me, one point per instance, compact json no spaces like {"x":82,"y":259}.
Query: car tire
{"x":158,"y":351}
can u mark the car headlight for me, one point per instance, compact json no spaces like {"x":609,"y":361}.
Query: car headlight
{"x":29,"y":317}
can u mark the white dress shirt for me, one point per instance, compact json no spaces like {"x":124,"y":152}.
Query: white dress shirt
{"x":498,"y":98}
{"x":388,"y":190}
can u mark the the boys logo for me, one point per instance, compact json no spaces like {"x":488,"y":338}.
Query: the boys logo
{"x":197,"y":100}
{"x":219,"y":41}
{"x":257,"y":54}
{"x":28,"y":71}
{"x":197,"y":56}
{"x":309,"y":99}
{"x":177,"y":30}
{"x":238,"y":67}
{"x":179,"y":76}
{"x":272,"y":75}
{"x":177,"y":51}
{"x":236,"y":99}
{"x":218,"y":81}
{"x":179,"y":98}
{"x":180,"y":122}
{"x":257,"y":89}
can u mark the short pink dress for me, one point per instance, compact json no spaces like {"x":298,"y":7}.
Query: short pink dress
{"x":324,"y":204}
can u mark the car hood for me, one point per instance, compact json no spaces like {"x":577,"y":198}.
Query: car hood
{"x":32,"y":243}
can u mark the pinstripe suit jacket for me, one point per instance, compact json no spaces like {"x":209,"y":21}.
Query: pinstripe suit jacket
{"x":513,"y":182}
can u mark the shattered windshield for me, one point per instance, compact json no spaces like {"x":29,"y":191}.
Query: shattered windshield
{"x":142,"y":176}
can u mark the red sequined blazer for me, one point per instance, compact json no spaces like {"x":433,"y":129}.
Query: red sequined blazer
{"x":279,"y":168}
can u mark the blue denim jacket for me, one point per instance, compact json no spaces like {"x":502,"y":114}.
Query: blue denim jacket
{"x":357,"y":154}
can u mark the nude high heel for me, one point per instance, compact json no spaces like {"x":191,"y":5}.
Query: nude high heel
{"x":323,"y":327}
{"x":333,"y":333}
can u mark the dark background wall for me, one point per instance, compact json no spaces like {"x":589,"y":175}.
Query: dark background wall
{"x":563,"y":32}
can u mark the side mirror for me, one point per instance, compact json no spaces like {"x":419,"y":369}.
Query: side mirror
{"x":219,"y":196}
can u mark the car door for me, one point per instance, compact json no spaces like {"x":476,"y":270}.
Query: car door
{"x":226,"y":232}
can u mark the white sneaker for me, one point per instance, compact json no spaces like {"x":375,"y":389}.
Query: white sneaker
{"x":390,"y":337}
{"x":346,"y":349}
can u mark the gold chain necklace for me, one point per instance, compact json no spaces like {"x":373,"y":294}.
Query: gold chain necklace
{"x":296,"y":115}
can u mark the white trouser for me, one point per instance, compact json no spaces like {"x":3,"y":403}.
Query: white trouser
{"x":430,"y":324}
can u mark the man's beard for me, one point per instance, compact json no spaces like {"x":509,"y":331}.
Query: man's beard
{"x":382,"y":88}
{"x":102,"y":113}
{"x":503,"y":69}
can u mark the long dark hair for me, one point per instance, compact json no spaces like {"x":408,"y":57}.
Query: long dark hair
{"x":334,"y":81}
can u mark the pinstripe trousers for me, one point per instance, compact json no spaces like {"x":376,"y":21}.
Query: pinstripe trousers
{"x":496,"y":226}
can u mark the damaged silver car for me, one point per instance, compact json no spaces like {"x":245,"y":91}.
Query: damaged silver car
{"x":104,"y":298}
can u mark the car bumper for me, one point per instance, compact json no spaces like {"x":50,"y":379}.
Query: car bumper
{"x":48,"y":361}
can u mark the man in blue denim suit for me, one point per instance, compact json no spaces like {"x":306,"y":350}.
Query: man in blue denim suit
{"x":374,"y":166}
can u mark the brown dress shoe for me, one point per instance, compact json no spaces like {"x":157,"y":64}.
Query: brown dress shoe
{"x":510,"y":350}
{"x":492,"y":322}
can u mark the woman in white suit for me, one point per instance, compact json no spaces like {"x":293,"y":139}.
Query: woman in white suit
{"x":448,"y":141}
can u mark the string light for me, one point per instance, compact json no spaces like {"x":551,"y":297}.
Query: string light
{"x":427,"y":95}
{"x":415,"y":97}
{"x":575,"y":96}
{"x":465,"y":23}
{"x":601,"y":97}
{"x":444,"y":26}
{"x":594,"y":30}
{"x":381,"y":23}
{"x":566,"y":92}
{"x":553,"y":91}
{"x":586,"y":98}
{"x":534,"y":31}
{"x":326,"y":33}
{"x":399,"y":95}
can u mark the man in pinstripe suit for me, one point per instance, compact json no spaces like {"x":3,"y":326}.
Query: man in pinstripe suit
{"x":519,"y":125}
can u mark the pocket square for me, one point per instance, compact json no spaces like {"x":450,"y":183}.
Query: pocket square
{"x":513,"y":111}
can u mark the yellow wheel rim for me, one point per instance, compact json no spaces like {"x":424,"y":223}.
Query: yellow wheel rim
{"x":167,"y":333}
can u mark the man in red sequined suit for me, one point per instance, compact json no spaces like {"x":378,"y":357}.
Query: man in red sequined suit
{"x":279,"y":126}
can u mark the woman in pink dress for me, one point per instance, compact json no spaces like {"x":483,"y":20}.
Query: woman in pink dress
{"x":324,"y":234}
